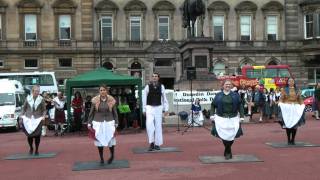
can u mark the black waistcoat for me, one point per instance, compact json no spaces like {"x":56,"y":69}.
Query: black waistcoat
{"x":154,"y":95}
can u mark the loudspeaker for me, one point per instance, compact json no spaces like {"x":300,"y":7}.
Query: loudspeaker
{"x":191,"y":73}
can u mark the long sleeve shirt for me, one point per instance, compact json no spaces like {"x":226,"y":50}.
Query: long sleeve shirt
{"x":164,"y":101}
{"x":103,"y":113}
{"x":227,"y":111}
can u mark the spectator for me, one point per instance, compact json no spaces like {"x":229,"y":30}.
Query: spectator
{"x":317,"y":100}
{"x":59,"y":116}
{"x":77,"y":105}
{"x":48,"y":103}
{"x":196,"y":116}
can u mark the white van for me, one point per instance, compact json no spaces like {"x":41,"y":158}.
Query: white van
{"x":12,"y":97}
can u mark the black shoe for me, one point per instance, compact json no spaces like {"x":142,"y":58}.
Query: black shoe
{"x":157,"y":147}
{"x":101,"y":162}
{"x":228,"y":156}
{"x":151,"y":147}
{"x":31,"y":151}
{"x":36,"y":153}
{"x":110,"y":160}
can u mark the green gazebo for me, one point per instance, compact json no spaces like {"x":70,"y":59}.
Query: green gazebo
{"x":97,"y":77}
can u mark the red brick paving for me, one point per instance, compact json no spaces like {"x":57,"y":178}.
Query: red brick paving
{"x":279,"y":164}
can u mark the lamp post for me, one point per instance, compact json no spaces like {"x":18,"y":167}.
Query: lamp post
{"x":100,"y":42}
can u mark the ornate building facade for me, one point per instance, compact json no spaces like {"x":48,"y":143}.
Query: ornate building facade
{"x":139,"y":37}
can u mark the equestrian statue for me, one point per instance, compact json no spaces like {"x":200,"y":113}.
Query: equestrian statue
{"x":191,"y":10}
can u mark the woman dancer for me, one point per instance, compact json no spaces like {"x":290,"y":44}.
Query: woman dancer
{"x":226,"y":107}
{"x":291,"y":110}
{"x":33,"y":114}
{"x":103,"y":118}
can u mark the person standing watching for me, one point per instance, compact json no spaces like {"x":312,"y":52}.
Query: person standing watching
{"x":316,"y":100}
{"x":77,"y":105}
{"x":32,"y":115}
{"x":154,"y":103}
{"x":226,"y":108}
{"x":59,"y":116}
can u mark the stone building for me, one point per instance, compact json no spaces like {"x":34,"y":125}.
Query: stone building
{"x":139,"y":37}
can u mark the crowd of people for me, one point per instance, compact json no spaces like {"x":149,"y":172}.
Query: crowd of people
{"x":56,"y":116}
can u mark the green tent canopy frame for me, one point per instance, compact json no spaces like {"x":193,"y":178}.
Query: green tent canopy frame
{"x":97,"y":77}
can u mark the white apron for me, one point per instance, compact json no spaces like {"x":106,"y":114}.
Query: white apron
{"x":30,"y":124}
{"x":104,"y":132}
{"x":227,"y":128}
{"x":291,"y":113}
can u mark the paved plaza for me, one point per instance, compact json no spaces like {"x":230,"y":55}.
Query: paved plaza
{"x":293,"y":163}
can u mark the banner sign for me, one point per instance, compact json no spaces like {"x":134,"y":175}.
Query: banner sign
{"x":184,"y":97}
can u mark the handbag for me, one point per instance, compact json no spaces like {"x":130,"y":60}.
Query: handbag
{"x":92,"y":133}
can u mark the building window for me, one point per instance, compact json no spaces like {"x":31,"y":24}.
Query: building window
{"x":106,"y":28}
{"x":218,"y":28}
{"x":318,"y":32}
{"x":163,"y":23}
{"x":64,"y":27}
{"x":135,"y":28}
{"x":187,"y":62}
{"x":108,"y":65}
{"x":272,"y":27}
{"x":219,"y":69}
{"x":65,"y":62}
{"x":245,"y":28}
{"x":1,"y":63}
{"x":200,"y":61}
{"x":313,"y":75}
{"x":163,"y":62}
{"x":30,"y":63}
{"x":1,"y":26}
{"x":308,"y":27}
{"x":30,"y":27}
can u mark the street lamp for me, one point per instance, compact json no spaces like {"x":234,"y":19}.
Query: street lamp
{"x":100,"y":42}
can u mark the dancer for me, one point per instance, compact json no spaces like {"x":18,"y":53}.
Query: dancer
{"x":154,"y":103}
{"x":226,"y":107}
{"x":291,"y":110}
{"x":103,"y":118}
{"x":32,"y":115}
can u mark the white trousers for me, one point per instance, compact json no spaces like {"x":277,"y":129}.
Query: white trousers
{"x":154,"y":124}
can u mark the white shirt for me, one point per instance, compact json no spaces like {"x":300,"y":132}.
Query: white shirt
{"x":164,"y":101}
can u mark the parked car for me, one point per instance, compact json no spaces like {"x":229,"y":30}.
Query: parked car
{"x":306,"y":93}
{"x":12,"y":97}
{"x":308,"y":102}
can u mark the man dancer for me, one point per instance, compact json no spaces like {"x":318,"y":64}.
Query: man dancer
{"x":154,"y":103}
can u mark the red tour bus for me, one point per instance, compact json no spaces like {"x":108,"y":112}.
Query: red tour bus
{"x":271,"y":76}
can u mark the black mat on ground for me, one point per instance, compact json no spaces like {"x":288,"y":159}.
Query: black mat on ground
{"x":28,"y":156}
{"x":235,"y":159}
{"x":95,"y":165}
{"x":141,"y":150}
{"x":286,"y":145}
